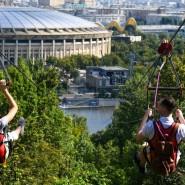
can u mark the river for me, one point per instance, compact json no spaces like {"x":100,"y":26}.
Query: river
{"x":97,"y":117}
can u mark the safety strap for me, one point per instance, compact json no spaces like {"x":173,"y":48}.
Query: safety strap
{"x":157,"y":85}
{"x":145,"y":154}
{"x":172,"y":133}
{"x":1,"y":137}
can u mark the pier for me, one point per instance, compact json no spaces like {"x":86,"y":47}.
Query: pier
{"x":72,"y":101}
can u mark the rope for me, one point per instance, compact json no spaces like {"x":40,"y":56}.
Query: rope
{"x":151,"y":76}
{"x":130,"y":91}
{"x":24,"y":77}
{"x":6,"y":73}
{"x":137,"y":85}
{"x":174,"y":71}
{"x":183,"y":22}
{"x":18,"y":70}
{"x":156,"y":64}
{"x":157,"y":85}
{"x":156,"y":91}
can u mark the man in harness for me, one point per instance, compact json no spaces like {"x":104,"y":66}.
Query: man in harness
{"x":6,"y":139}
{"x":147,"y":131}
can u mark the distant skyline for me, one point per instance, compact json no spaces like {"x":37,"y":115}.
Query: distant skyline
{"x":147,"y":1}
{"x":112,"y":1}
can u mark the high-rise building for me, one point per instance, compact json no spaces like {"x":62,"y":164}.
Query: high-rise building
{"x":71,"y":1}
{"x":6,"y":2}
{"x":89,"y":3}
{"x":50,"y":2}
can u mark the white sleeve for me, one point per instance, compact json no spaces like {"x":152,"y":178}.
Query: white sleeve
{"x":148,"y":130}
{"x":180,"y":133}
{"x":3,"y":123}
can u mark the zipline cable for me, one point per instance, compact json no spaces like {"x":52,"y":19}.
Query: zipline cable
{"x":52,"y":100}
{"x":138,"y":84}
{"x":183,"y":22}
{"x":23,"y":76}
{"x":8,"y":81}
{"x":158,"y":57}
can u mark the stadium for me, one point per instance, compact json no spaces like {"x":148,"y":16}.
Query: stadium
{"x":39,"y":33}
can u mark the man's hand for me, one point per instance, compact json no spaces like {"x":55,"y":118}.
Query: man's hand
{"x":3,"y":86}
{"x":139,"y":135}
{"x":180,"y":116}
{"x":148,"y":112}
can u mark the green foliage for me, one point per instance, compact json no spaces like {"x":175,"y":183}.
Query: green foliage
{"x":121,"y":133}
{"x":57,"y":148}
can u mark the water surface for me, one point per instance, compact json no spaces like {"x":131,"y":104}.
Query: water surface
{"x":97,"y":117}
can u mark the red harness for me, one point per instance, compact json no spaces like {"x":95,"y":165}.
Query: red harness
{"x":2,"y":149}
{"x":156,"y":138}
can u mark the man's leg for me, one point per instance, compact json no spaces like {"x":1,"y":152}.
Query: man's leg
{"x":11,"y":136}
{"x":19,"y":130}
{"x":140,"y":159}
{"x":143,"y":156}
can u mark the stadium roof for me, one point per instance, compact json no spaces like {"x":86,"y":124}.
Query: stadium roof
{"x":34,"y":18}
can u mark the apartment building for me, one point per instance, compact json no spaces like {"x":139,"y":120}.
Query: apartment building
{"x":156,"y":19}
{"x":141,"y":14}
{"x":51,"y":2}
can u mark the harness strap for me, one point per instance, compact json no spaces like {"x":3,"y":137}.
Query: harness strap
{"x":145,"y":154}
{"x":156,"y":126}
{"x":171,"y":134}
{"x":1,"y":138}
{"x":157,"y":85}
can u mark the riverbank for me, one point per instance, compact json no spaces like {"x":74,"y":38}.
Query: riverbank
{"x":83,"y":101}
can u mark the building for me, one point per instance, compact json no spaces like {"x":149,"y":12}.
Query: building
{"x":71,"y":1}
{"x":38,"y":33}
{"x":127,"y":39}
{"x":156,"y":19}
{"x":6,"y":2}
{"x":72,"y":8}
{"x":141,"y":14}
{"x":103,"y":15}
{"x":51,"y":2}
{"x":156,"y":29}
{"x":81,"y":79}
{"x":106,"y":77}
{"x":130,"y":25}
{"x":89,"y":3}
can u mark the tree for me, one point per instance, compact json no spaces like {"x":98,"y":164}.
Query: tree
{"x":56,"y":148}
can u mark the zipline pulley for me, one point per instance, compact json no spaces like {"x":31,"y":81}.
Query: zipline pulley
{"x":165,"y":56}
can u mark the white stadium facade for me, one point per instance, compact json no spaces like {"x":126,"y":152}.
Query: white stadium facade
{"x":39,"y":33}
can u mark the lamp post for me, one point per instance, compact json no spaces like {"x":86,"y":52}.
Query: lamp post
{"x":132,"y":58}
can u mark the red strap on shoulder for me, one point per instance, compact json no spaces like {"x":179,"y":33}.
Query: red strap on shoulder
{"x":163,"y":132}
{"x":2,"y":153}
{"x":2,"y":149}
{"x":1,"y":138}
{"x":158,"y":130}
